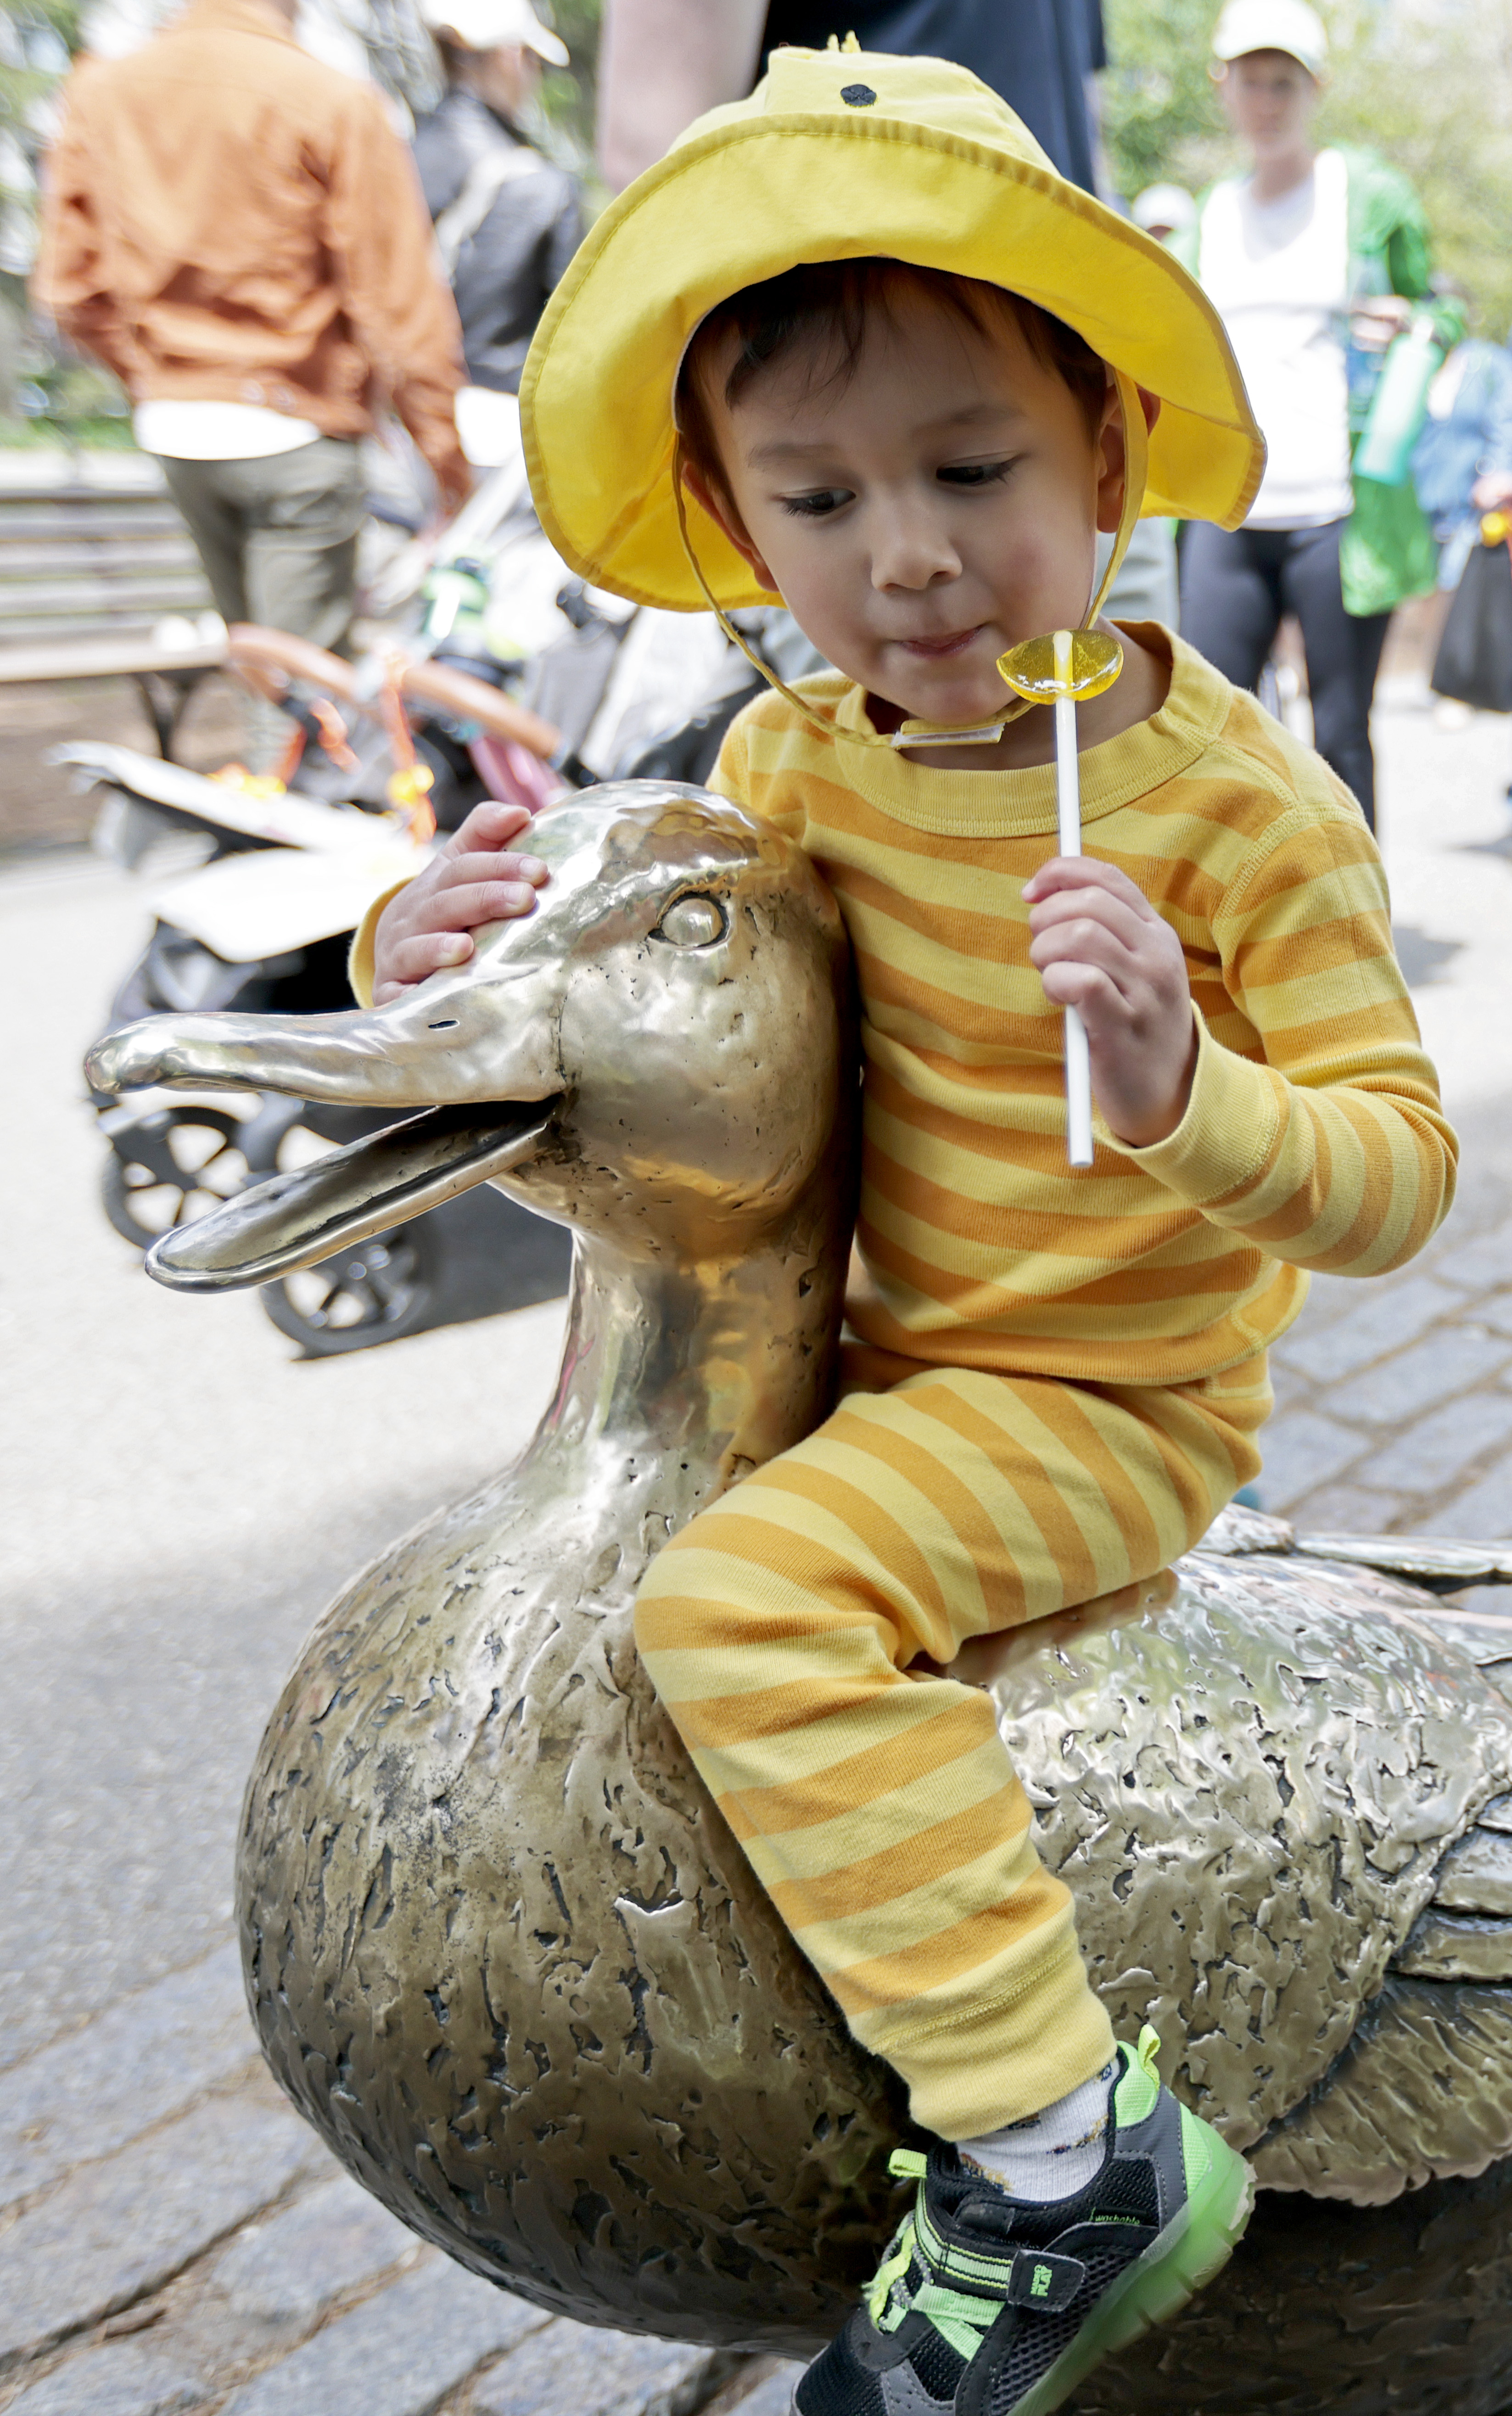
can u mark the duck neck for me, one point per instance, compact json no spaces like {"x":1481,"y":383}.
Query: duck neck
{"x":687,"y":1375}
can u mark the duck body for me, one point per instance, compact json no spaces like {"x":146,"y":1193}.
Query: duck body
{"x":516,"y":1968}
{"x":500,"y":1946}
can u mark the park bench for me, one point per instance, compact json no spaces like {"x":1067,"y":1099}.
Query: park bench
{"x":99,"y":579}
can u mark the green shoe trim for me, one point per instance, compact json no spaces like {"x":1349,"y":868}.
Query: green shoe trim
{"x":963,"y":2322}
{"x":1138,"y":2086}
{"x":1198,"y":2141}
{"x":989,"y":2276}
{"x":1193,"y":2247}
{"x":892,"y":2268}
{"x":905,"y":2164}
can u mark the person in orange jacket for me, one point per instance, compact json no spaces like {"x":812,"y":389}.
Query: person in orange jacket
{"x":237,"y":231}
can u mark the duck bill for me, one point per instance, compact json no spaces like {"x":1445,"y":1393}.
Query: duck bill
{"x":295,"y":1221}
{"x":432,"y":1051}
{"x":356,"y":1059}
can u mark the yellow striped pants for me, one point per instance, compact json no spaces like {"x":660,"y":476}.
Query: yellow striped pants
{"x":876,"y":1799}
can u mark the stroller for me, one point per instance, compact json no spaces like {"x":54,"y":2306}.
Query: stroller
{"x":262,"y":924}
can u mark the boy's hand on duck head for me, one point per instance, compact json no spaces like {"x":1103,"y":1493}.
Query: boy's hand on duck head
{"x":1099,"y":945}
{"x":475,"y":878}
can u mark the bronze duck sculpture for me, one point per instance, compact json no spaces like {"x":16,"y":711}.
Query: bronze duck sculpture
{"x":500,"y":1947}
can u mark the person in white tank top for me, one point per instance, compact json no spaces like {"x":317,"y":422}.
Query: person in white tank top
{"x":1273,"y":250}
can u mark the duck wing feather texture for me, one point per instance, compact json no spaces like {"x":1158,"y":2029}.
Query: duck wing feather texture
{"x":1277,"y":1788}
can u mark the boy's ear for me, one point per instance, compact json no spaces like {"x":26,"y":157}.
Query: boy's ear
{"x":716,"y":504}
{"x":1112,"y":453}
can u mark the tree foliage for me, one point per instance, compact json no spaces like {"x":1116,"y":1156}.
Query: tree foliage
{"x":36,"y":36}
{"x":1160,"y":114}
{"x":1429,"y":86}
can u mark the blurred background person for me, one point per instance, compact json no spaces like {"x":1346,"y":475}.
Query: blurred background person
{"x":1147,"y":586}
{"x":1463,"y":461}
{"x":507,"y":221}
{"x":663,"y":62}
{"x":236,"y":230}
{"x":1314,"y":260}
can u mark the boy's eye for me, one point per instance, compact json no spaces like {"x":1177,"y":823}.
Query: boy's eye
{"x":818,"y":504}
{"x":974,"y":474}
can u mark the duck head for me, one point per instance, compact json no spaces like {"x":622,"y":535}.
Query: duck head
{"x":651,"y":1056}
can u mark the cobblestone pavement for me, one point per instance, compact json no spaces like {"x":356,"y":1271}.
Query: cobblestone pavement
{"x":171,"y":2236}
{"x":1394,"y":1398}
{"x":207,"y":2253}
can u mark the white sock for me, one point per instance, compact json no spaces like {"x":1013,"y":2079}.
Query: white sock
{"x":1053,"y":2153}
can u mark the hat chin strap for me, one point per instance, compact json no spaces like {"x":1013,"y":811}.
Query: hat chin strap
{"x":929,"y":733}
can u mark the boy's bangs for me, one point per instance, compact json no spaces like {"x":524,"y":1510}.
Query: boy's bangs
{"x":822,"y":308}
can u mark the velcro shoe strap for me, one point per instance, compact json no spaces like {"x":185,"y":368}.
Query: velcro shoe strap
{"x":1040,"y":2279}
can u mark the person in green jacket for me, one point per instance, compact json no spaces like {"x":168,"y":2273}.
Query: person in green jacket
{"x":1314,"y":261}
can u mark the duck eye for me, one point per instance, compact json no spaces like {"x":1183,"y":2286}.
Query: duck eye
{"x":693,"y":923}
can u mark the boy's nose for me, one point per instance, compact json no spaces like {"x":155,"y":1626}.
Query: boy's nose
{"x":913,"y":550}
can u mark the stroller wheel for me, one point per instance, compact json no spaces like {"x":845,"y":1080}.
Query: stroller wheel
{"x":171,"y":1167}
{"x":374,"y":1291}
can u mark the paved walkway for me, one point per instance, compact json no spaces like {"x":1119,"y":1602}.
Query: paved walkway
{"x":181,"y":1499}
{"x":1395,"y":1409}
{"x":1394,"y":1398}
{"x":179,"y":2240}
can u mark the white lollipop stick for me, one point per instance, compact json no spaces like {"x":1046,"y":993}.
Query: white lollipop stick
{"x":1069,"y":810}
{"x":1058,"y":670}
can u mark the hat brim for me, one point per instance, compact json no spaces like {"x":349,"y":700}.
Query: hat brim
{"x":1313,"y":66}
{"x":547,"y":46}
{"x":740,"y":203}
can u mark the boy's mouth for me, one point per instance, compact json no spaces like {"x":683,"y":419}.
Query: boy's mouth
{"x":938,"y":649}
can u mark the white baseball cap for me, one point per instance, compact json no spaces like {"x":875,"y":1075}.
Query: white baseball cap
{"x":1288,"y":25}
{"x":1163,"y":206}
{"x":494,"y":25}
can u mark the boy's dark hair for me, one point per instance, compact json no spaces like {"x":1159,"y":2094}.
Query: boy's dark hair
{"x":832,"y":300}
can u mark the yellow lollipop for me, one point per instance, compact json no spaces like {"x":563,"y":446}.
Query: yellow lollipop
{"x":1037,"y":672}
{"x":1064,"y":668}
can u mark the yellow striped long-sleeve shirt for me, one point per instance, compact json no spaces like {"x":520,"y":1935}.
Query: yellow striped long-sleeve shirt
{"x":1314,"y":1136}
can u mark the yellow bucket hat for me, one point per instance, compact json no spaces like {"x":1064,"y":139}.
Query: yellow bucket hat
{"x":839,"y":154}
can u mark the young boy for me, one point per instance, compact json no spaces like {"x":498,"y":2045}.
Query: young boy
{"x":853,"y":346}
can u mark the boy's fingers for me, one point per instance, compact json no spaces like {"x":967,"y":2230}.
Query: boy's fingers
{"x":476,"y":879}
{"x":479,"y":864}
{"x":1145,"y":984}
{"x":489,"y":825}
{"x":1081,"y":909}
{"x":482,"y":901}
{"x":415,"y":958}
{"x":1086,"y":872}
{"x":1067,"y":979}
{"x":1093,"y":992}
{"x":1104,"y":940}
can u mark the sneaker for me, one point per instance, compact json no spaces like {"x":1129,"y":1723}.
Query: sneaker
{"x":991,"y":2305}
